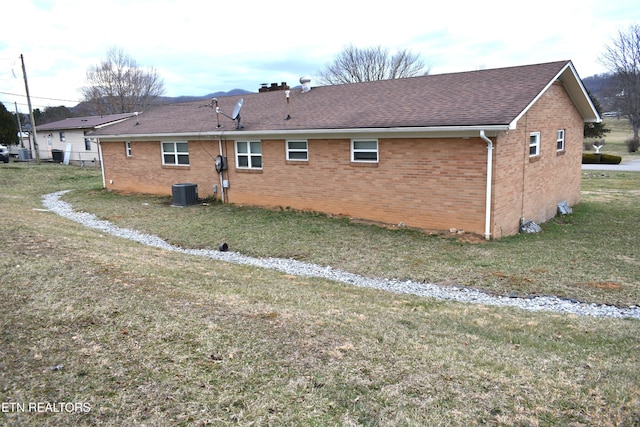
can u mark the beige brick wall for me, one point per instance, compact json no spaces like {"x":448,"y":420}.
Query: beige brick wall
{"x":531,"y":187}
{"x":143,"y":171}
{"x":426,"y":183}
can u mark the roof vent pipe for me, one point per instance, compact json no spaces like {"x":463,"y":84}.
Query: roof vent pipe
{"x":287,"y":93}
{"x":306,"y":83}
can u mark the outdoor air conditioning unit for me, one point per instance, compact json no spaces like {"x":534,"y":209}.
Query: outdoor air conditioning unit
{"x":184,"y":194}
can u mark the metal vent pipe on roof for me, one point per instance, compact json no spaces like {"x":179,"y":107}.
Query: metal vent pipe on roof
{"x":306,"y":83}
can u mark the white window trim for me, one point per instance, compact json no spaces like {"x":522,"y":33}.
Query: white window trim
{"x":127,"y":149}
{"x":174,"y":152}
{"x":297,"y":150}
{"x":560,"y":139}
{"x":353,"y":151}
{"x":248,"y":154}
{"x":536,"y":144}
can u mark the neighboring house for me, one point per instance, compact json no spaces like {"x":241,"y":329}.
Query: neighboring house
{"x":24,"y":143}
{"x":72,"y":135}
{"x":479,"y":151}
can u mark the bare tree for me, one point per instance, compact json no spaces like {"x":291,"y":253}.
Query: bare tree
{"x":375,"y":63}
{"x":622,"y":58}
{"x":119,"y":85}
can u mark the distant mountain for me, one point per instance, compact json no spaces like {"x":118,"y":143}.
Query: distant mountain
{"x":186,"y":98}
{"x":85,"y":109}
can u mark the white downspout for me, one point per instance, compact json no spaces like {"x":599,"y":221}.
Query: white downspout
{"x":487,"y":215}
{"x":104,"y":179}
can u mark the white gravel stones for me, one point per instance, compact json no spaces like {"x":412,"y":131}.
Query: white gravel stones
{"x":53,"y":203}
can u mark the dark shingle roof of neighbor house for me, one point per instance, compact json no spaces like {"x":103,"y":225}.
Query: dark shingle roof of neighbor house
{"x":87,"y":122}
{"x":492,"y":97}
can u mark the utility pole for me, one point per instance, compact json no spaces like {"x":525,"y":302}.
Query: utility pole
{"x":33,"y":122}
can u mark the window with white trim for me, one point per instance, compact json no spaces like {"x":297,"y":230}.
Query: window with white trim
{"x":249,"y":154}
{"x":175,"y":153}
{"x":364,"y":150}
{"x":127,"y":148}
{"x":560,"y":140}
{"x":297,"y":150}
{"x":63,"y":136}
{"x":534,"y":144}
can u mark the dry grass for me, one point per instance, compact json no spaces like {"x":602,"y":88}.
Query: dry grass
{"x":596,"y":244}
{"x":148,"y":337}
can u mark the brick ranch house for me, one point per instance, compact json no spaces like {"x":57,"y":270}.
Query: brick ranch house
{"x":479,"y":151}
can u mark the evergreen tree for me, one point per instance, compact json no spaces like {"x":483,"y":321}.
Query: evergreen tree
{"x":595,"y":130}
{"x":8,"y":127}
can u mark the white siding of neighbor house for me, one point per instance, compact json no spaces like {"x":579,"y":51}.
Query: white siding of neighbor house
{"x":50,"y":140}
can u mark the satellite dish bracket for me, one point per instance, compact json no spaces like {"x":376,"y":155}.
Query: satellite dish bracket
{"x":236,"y":113}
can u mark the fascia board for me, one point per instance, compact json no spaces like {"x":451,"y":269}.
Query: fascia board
{"x":580,"y":96}
{"x":412,"y":132}
{"x":100,"y":126}
{"x":574,"y":87}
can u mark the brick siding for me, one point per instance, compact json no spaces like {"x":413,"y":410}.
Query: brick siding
{"x":531,"y":187}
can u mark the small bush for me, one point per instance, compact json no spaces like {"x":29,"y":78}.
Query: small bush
{"x":607,"y":159}
{"x":632,"y":145}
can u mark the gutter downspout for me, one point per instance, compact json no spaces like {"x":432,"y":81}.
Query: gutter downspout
{"x":487,"y":220}
{"x":104,"y":178}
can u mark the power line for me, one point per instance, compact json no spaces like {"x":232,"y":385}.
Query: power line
{"x":24,"y":104}
{"x":40,"y":97}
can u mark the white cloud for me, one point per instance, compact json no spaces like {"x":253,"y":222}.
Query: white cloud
{"x":199,"y":47}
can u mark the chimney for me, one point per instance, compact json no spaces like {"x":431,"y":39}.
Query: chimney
{"x":273,"y":87}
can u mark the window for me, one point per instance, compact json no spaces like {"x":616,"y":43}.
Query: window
{"x":175,"y":153}
{"x":62,"y":137}
{"x":560,"y":140}
{"x":364,"y":150}
{"x":127,"y":148}
{"x":534,"y":144}
{"x":297,"y":150}
{"x":249,"y":154}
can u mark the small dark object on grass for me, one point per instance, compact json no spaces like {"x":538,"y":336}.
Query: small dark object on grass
{"x":223,"y":247}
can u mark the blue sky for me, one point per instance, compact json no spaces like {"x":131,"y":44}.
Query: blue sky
{"x":200,"y":47}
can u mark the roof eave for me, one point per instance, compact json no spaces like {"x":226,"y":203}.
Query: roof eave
{"x":576,"y":91}
{"x":113,"y":122}
{"x":408,"y":132}
{"x":579,"y":95}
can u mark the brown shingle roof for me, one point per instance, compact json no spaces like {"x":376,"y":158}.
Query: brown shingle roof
{"x":475,"y":98}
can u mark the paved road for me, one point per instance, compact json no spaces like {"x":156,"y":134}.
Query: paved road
{"x":629,"y":166}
